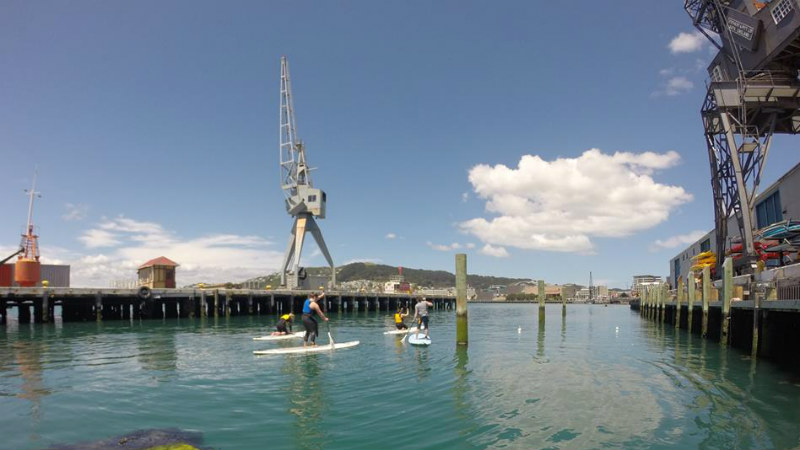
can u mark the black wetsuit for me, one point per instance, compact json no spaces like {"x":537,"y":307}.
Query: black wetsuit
{"x":312,"y":327}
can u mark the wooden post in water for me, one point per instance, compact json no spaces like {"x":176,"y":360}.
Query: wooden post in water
{"x":462,"y":322}
{"x":727,"y":293}
{"x":756,"y":291}
{"x":216,"y":303}
{"x":203,"y":305}
{"x":692,"y":292}
{"x":664,"y":293}
{"x":98,"y":307}
{"x":678,"y":301}
{"x":706,"y":298}
{"x":564,"y":305}
{"x":227,"y":303}
{"x":45,"y":306}
{"x":541,"y":294}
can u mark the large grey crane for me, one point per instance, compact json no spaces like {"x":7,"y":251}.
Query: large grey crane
{"x":753,"y":93}
{"x":303,"y":201}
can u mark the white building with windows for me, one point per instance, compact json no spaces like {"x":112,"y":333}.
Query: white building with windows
{"x":780,"y":201}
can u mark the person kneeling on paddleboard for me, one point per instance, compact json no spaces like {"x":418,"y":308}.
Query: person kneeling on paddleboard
{"x":398,"y":319}
{"x":285,"y":320}
{"x":312,"y":328}
{"x":421,"y":314}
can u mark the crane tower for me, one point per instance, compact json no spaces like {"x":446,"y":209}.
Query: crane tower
{"x":303,"y":201}
{"x":753,"y":93}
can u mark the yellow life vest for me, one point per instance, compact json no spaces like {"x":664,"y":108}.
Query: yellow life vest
{"x":398,"y":318}
{"x":286,"y":317}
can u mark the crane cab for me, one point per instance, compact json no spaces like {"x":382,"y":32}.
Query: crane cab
{"x":308,"y":200}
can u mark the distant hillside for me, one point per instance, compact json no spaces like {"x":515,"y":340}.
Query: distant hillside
{"x":380,"y":272}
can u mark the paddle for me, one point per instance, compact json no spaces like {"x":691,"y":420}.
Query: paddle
{"x":327,"y":322}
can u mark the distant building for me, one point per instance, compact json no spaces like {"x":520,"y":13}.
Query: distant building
{"x":570,"y":291}
{"x":640,"y":281}
{"x":57,"y":275}
{"x":158,"y":273}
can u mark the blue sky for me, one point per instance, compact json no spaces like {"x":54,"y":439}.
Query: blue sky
{"x":154,"y":126}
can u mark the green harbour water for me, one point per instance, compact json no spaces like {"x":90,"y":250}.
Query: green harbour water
{"x":601,"y":377}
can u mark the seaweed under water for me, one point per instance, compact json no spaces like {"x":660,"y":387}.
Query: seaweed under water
{"x":153,"y":439}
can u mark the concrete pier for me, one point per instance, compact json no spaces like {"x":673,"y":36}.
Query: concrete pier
{"x":84,"y":305}
{"x":764,"y":328}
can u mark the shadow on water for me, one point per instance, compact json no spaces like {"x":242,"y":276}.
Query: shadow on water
{"x":307,"y":400}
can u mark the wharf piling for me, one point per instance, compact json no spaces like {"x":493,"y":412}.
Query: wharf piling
{"x":462,"y":319}
{"x":89,"y":304}
{"x":755,"y":313}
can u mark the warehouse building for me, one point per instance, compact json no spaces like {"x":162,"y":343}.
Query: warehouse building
{"x":780,"y":201}
{"x":56,"y":275}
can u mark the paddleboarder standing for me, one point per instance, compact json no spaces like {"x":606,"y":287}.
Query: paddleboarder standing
{"x":309,"y":322}
{"x":421,"y":314}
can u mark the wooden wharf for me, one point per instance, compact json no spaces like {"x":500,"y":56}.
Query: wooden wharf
{"x":38,"y":304}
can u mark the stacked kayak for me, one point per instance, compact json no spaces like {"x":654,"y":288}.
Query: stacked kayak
{"x":703,"y":260}
{"x":787,"y":229}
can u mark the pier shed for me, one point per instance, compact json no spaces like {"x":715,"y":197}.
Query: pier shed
{"x":158,"y":273}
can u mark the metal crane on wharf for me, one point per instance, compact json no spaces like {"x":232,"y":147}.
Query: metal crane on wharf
{"x":754,"y":92}
{"x":303,"y":201}
{"x":27,"y":270}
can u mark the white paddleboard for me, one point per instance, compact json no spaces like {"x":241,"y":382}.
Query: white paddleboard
{"x":311,"y":349}
{"x":299,"y":334}
{"x":414,"y":340}
{"x":407,"y":330}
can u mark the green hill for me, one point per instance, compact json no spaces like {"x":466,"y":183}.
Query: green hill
{"x":381,"y":272}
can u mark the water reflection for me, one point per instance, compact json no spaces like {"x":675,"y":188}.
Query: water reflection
{"x":540,"y":338}
{"x":423,"y":367}
{"x":461,"y":390}
{"x":157,"y":353}
{"x":307,"y":401}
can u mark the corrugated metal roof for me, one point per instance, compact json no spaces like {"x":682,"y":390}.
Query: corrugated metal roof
{"x":160,"y":261}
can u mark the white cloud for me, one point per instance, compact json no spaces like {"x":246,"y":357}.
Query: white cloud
{"x":678,"y":85}
{"x":444,"y":247}
{"x":676,"y":241}
{"x":75,"y":212}
{"x":96,"y":238}
{"x":470,"y":245}
{"x":391,"y":236}
{"x":687,"y":42}
{"x":464,"y":197}
{"x":209,"y":258}
{"x":558,"y":205}
{"x":363,"y":260}
{"x":497,"y":252}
